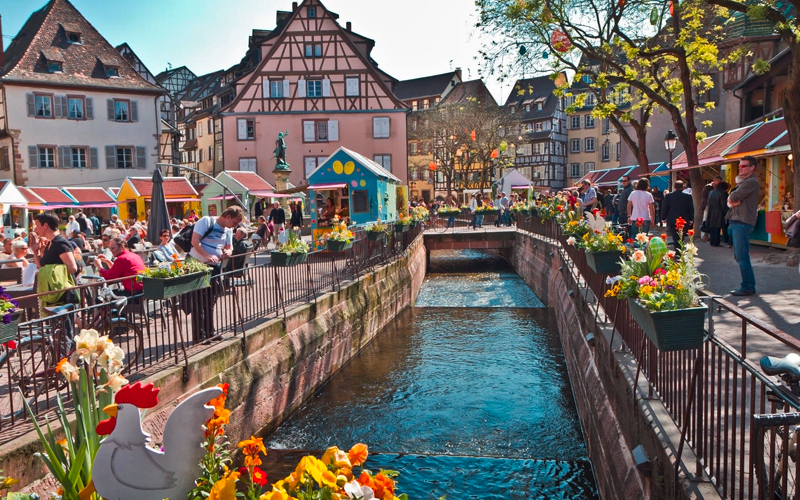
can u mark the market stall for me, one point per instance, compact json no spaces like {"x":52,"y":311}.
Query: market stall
{"x":352,"y":187}
{"x":248,"y":186}
{"x":513,"y":181}
{"x":93,"y":200}
{"x":12,"y":207}
{"x":133,"y":199}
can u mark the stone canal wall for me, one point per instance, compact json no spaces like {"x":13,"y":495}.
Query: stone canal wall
{"x":282,"y":363}
{"x":607,"y":438}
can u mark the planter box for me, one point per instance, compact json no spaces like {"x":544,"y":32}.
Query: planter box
{"x":604,"y":262}
{"x":281,"y":259}
{"x":678,"y":330}
{"x":488,"y":212}
{"x":401,"y":228}
{"x":339,"y":246}
{"x":375,"y":235}
{"x":9,"y":331}
{"x":159,"y":288}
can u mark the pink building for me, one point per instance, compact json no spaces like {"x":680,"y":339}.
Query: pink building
{"x":317,"y":82}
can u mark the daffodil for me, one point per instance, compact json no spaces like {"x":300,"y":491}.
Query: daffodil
{"x":639,"y":256}
{"x":112,"y":358}
{"x":116,"y":381}
{"x":571,"y":241}
{"x":68,"y":370}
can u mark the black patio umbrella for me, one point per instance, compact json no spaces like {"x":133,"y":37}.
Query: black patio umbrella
{"x":159,"y":216}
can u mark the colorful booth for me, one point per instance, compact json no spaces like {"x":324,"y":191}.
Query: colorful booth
{"x":133,"y":199}
{"x":248,"y":186}
{"x":357,"y":188}
{"x":12,"y":206}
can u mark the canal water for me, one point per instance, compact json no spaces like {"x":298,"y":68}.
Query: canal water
{"x":466,"y":395}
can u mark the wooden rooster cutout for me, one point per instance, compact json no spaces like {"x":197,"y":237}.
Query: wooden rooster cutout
{"x":125,"y":468}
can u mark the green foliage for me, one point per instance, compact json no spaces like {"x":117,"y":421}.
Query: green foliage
{"x":294,"y":244}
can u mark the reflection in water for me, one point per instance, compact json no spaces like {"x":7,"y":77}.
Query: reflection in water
{"x":465,"y":400}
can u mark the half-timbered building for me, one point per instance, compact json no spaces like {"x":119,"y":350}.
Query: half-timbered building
{"x":317,"y":83}
{"x":74,"y":111}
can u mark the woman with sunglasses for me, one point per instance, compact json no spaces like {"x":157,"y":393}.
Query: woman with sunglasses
{"x":167,"y":247}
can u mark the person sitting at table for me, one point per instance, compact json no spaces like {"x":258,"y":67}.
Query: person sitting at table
{"x":78,"y":238}
{"x":53,"y":255}
{"x":126,"y":264}
{"x":7,"y":248}
{"x":20,"y":251}
{"x":167,"y":247}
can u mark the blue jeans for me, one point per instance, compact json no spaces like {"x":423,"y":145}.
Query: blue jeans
{"x":451,"y":221}
{"x":480,"y":221}
{"x":740,"y":233}
{"x":635,"y":228}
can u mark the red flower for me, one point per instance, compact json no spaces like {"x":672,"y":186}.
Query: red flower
{"x":560,"y":208}
{"x":11,"y":345}
{"x":630,"y":240}
{"x":690,"y":232}
{"x":663,"y":236}
{"x":243,"y":470}
{"x":259,"y":477}
{"x":640,"y":222}
{"x":680,"y":223}
{"x":595,"y":211}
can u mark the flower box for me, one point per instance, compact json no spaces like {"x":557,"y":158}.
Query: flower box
{"x":339,"y":246}
{"x":8,"y":331}
{"x":607,"y":262}
{"x":164,"y":288}
{"x":282,"y":259}
{"x":677,"y":330}
{"x":400,"y":228}
{"x":375,"y":235}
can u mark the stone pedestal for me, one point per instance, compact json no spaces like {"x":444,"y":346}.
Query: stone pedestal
{"x":281,"y":184}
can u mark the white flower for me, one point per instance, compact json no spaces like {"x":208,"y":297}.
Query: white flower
{"x":691,"y":248}
{"x":68,"y":370}
{"x":571,"y":241}
{"x":642,"y":237}
{"x":611,"y":281}
{"x":112,"y":358}
{"x":358,"y":492}
{"x":116,"y":381}
{"x":671,"y":254}
{"x":88,"y":343}
{"x":639,"y":256}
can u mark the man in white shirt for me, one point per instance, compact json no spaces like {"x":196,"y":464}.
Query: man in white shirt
{"x":641,"y":207}
{"x":72,"y":225}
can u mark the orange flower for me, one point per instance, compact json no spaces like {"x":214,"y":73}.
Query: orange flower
{"x":175,"y":256}
{"x":358,"y":454}
{"x":366,"y":480}
{"x":251,"y":449}
{"x":384,"y":487}
{"x":690,"y":232}
{"x":663,"y":236}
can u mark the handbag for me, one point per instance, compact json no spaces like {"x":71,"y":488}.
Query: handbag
{"x":792,"y":229}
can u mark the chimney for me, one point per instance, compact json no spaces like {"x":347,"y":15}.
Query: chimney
{"x":2,"y":54}
{"x":349,"y":26}
{"x":458,"y":74}
{"x":294,"y":6}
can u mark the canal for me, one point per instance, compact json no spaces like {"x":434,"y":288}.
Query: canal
{"x":466,"y":395}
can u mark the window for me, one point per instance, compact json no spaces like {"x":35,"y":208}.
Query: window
{"x":569,"y":101}
{"x":537,"y":148}
{"x":575,"y":122}
{"x":246,"y":129}
{"x":219,"y":154}
{"x":210,"y":128}
{"x":384,"y":160}
{"x":606,"y":126}
{"x":313,"y":50}
{"x":314,"y":88}
{"x":588,"y":167}
{"x":47,"y":157}
{"x":527,"y":108}
{"x":589,"y":121}
{"x":124,"y":157}
{"x":576,"y":170}
{"x":121,"y":111}
{"x":360,"y":201}
{"x":55,"y":66}
{"x":78,"y":157}
{"x":618,"y":145}
{"x":513,"y":109}
{"x":44,"y":106}
{"x":590,"y":100}
{"x":312,"y":12}
{"x":247,"y":164}
{"x":75,"y":108}
{"x":413,"y":149}
{"x":426,"y":104}
{"x":537,"y":127}
{"x":414,"y":106}
{"x":200,"y":156}
{"x":605,"y":151}
{"x":351,"y":86}
{"x":380,"y":127}
{"x":320,"y":130}
{"x":538,"y":106}
{"x":74,"y":38}
{"x":210,"y":154}
{"x":589,"y":145}
{"x":575,"y":146}
{"x":200,"y":129}
{"x":112,"y":71}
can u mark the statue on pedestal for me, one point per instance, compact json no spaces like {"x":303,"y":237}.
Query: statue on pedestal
{"x":280,"y":152}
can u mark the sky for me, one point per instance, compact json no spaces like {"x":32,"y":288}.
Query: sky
{"x":413,"y":38}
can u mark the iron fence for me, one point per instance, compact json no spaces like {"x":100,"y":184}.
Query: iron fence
{"x":155,"y":334}
{"x":714,"y":394}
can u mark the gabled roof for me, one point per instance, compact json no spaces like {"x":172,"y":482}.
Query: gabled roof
{"x":88,"y":195}
{"x":757,"y":140}
{"x":528,"y":91}
{"x":173,"y":186}
{"x":365,"y":162}
{"x":52,"y":195}
{"x":251,"y":181}
{"x":43,"y":36}
{"x":471,"y":89}
{"x":427,"y":86}
{"x":30,"y":196}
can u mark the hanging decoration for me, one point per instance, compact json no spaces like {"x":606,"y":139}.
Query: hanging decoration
{"x":494,"y":154}
{"x":671,"y":7}
{"x":560,"y":41}
{"x":545,"y":54}
{"x":654,"y":16}
{"x":473,"y":135}
{"x":432,"y":165}
{"x":522,"y":50}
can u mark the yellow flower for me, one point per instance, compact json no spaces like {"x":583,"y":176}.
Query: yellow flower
{"x":225,"y":488}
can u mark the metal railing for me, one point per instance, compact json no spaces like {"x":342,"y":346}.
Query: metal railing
{"x":716,"y":414}
{"x":156,"y":334}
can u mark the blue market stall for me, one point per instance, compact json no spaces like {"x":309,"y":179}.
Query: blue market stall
{"x":352,"y":187}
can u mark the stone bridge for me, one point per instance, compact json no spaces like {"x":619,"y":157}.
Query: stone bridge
{"x":497,"y":241}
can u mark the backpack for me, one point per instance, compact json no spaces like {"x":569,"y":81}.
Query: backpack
{"x":184,"y":238}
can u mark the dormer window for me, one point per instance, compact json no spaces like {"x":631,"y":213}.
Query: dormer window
{"x":73,"y":34}
{"x":55,"y":66}
{"x":110,"y":67}
{"x":54,"y":60}
{"x":112,"y":71}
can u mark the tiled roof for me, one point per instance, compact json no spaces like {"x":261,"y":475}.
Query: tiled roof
{"x":531,"y":89}
{"x":782,"y":141}
{"x":89,"y":194}
{"x":423,"y":87}
{"x":3,"y":184}
{"x":173,"y":186}
{"x":30,"y":196}
{"x":43,"y":36}
{"x":759,"y":138}
{"x":612,"y":176}
{"x":250,"y":180}
{"x":190,"y":144}
{"x":471,"y":89}
{"x":728,"y":139}
{"x":51,"y":195}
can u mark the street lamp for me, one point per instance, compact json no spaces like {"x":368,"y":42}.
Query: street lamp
{"x":670,"y":142}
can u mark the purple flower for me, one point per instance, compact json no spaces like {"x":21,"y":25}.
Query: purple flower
{"x":7,"y":318}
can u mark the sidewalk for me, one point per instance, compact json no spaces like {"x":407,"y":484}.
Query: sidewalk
{"x":776,"y":303}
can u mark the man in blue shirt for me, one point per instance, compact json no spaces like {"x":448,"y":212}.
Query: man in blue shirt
{"x":588,"y":195}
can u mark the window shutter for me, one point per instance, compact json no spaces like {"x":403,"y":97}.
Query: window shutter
{"x":65,"y":157}
{"x":92,"y":157}
{"x":111,"y":157}
{"x":110,"y":108}
{"x":386,"y":127}
{"x":89,"y":109}
{"x":310,"y":165}
{"x":200,"y":129}
{"x":210,"y":127}
{"x":33,"y":156}
{"x":333,"y":130}
{"x":308,"y":131}
{"x":141,"y":161}
{"x":352,"y":86}
{"x":241,"y":125}
{"x":286,"y":89}
{"x":326,"y":87}
{"x":134,"y":111}
{"x":31,"y":103}
{"x":301,"y":88}
{"x":58,"y":108}
{"x":242,"y":164}
{"x":387,"y":162}
{"x":264,"y":90}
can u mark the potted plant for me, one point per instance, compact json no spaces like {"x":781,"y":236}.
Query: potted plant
{"x":402,"y":224}
{"x":294,"y":251}
{"x":604,"y":249}
{"x":448,"y":211}
{"x":419,"y":214}
{"x":11,"y":314}
{"x":171,"y":279}
{"x":661,"y":289}
{"x":340,"y":239}
{"x":376,"y":231}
